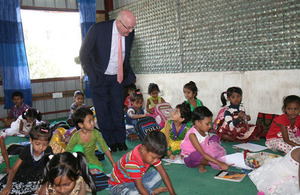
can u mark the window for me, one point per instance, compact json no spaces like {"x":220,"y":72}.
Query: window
{"x":52,"y":41}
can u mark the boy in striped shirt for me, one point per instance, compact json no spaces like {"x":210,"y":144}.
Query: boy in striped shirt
{"x":129,"y":174}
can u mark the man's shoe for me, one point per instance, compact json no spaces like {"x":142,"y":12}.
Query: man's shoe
{"x":122,"y":147}
{"x":113,"y":148}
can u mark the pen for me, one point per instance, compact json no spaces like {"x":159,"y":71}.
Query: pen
{"x":231,"y":165}
{"x":244,"y":171}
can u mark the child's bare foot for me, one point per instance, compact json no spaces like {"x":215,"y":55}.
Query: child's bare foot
{"x":202,"y":169}
{"x":160,"y":190}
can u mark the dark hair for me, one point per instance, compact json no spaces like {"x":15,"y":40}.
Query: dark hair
{"x":131,"y":87}
{"x":192,"y":86}
{"x":153,"y":87}
{"x":201,"y":112}
{"x":77,"y":93}
{"x":41,"y":132}
{"x":229,"y":93}
{"x":32,"y":112}
{"x":156,"y":142}
{"x":290,"y":99}
{"x":79,"y":115}
{"x":136,"y":96}
{"x":185,"y":111}
{"x":17,"y":94}
{"x":66,"y":164}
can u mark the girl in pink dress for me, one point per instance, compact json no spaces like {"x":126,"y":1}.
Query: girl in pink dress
{"x":198,"y":147}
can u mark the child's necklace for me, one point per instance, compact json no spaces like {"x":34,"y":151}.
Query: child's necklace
{"x":176,"y":134}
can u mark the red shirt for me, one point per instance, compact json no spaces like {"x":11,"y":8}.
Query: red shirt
{"x":129,"y":168}
{"x":128,"y":102}
{"x":16,"y":112}
{"x":275,"y":130}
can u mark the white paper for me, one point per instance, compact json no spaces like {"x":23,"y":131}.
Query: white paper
{"x":177,"y":160}
{"x":251,"y":147}
{"x":237,"y":159}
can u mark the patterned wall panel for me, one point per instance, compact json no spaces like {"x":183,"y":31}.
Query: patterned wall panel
{"x":155,"y":47}
{"x":216,"y":35}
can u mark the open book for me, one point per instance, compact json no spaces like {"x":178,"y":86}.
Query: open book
{"x":230,"y":176}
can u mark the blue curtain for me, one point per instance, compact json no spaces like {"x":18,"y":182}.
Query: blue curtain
{"x":13,"y":60}
{"x":87,"y":10}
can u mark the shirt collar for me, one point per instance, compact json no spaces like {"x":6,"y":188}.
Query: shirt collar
{"x":115,"y":30}
{"x":137,"y":154}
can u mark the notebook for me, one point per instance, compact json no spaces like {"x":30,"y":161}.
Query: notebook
{"x":230,"y":176}
{"x":250,"y":146}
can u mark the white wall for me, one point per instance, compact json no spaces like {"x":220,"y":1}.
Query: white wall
{"x":262,"y":90}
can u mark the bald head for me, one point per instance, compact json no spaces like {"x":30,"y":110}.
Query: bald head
{"x":125,"y":22}
{"x":126,"y":14}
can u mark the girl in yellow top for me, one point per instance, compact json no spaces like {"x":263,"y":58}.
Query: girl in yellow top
{"x":154,"y":99}
{"x":175,"y":128}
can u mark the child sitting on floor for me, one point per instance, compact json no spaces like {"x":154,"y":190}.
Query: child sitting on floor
{"x":284,"y":133}
{"x":198,"y":147}
{"x":190,"y":91}
{"x":127,"y":103}
{"x":23,"y":177}
{"x":154,"y":98}
{"x":4,"y":155}
{"x":27,"y":121}
{"x":235,"y":126}
{"x":130,"y":174}
{"x":280,"y":175}
{"x":88,"y":136}
{"x":134,"y":113}
{"x":175,"y":128}
{"x":17,"y":109}
{"x":78,"y":103}
{"x":67,"y":173}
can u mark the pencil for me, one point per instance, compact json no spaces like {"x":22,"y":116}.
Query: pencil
{"x":231,"y":165}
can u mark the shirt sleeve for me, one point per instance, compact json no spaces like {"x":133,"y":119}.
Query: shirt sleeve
{"x":166,"y":131}
{"x":87,"y":49}
{"x":157,"y":163}
{"x":101,"y":141}
{"x":130,"y":112}
{"x":73,"y":141}
{"x":23,"y":155}
{"x":11,"y":112}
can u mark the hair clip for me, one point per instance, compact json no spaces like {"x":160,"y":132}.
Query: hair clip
{"x":225,"y":92}
{"x":45,"y":130}
{"x":138,"y":93}
{"x":50,"y":156}
{"x":75,"y":154}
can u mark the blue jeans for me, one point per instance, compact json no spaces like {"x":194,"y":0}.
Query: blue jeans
{"x":151,"y":180}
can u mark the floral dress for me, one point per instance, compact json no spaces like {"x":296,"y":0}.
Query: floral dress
{"x":236,"y":128}
{"x":174,"y":138}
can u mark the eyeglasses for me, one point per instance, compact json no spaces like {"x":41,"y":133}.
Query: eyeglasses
{"x":128,"y":28}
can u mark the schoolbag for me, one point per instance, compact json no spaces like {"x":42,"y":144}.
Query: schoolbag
{"x":146,"y":125}
{"x":220,"y":119}
{"x":163,"y":113}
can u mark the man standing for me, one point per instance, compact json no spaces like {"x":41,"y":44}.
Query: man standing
{"x":104,"y":57}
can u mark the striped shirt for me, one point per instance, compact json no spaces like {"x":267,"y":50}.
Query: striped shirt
{"x":129,"y":168}
{"x":230,"y":112}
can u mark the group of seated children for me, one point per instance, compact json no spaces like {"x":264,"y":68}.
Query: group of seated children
{"x":186,"y":135}
{"x":194,"y":144}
